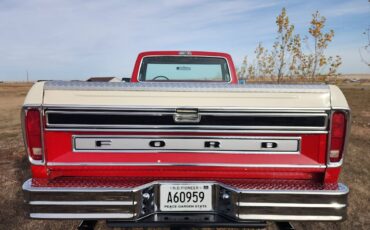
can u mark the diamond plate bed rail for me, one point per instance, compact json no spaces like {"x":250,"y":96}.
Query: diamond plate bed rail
{"x":185,"y":87}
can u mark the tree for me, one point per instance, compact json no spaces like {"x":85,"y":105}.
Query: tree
{"x":295,"y":49}
{"x":321,"y":41}
{"x":365,"y":50}
{"x":283,"y":41}
{"x":334,"y":63}
{"x":265,"y":62}
{"x":288,"y":58}
{"x":242,"y":71}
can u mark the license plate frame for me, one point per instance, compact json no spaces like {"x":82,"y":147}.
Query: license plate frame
{"x":174,"y":197}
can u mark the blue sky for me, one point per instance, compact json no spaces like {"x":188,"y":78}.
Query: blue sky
{"x":76,"y":39}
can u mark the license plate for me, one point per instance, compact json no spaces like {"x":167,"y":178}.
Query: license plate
{"x":186,"y":197}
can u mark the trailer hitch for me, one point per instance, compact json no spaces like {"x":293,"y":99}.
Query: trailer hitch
{"x":87,"y":225}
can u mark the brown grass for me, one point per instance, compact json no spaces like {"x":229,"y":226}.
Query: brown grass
{"x":14,"y":165}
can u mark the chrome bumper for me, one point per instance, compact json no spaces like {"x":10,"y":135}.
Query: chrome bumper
{"x":129,"y":204}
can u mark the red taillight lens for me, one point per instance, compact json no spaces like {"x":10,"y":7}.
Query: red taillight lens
{"x":338,"y":135}
{"x":33,"y":134}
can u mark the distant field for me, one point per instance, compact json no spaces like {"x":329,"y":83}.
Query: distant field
{"x":356,"y":76}
{"x":14,"y":165}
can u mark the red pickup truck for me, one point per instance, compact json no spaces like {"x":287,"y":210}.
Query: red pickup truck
{"x":184,"y":145}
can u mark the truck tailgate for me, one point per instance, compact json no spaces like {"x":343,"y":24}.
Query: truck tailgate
{"x":134,"y":129}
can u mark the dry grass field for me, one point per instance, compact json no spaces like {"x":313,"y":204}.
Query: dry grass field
{"x":14,"y":165}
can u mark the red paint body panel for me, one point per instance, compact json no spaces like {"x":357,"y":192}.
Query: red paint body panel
{"x":233,"y":75}
{"x":332,"y":175}
{"x":188,"y":172}
{"x":58,"y":149}
{"x":39,"y":171}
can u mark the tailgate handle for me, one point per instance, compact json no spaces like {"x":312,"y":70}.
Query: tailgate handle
{"x":269,"y":145}
{"x":186,"y":116}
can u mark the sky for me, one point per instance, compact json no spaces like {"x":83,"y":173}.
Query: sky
{"x":77,"y":39}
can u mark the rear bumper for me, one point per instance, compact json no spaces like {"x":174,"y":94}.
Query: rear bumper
{"x":234,"y":203}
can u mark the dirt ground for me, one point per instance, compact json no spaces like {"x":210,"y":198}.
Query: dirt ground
{"x":14,"y":165}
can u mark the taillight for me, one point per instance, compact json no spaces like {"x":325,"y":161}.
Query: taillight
{"x":33,"y":134}
{"x":338,"y":136}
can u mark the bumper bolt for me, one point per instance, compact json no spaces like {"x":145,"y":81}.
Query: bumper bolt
{"x":146,"y":196}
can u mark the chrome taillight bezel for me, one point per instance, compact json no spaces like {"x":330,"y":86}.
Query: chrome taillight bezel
{"x":347,"y":113}
{"x":24,"y":111}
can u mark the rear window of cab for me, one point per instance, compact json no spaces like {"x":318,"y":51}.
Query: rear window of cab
{"x":181,"y":68}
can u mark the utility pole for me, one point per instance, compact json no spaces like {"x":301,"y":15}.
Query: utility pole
{"x":27,"y":75}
